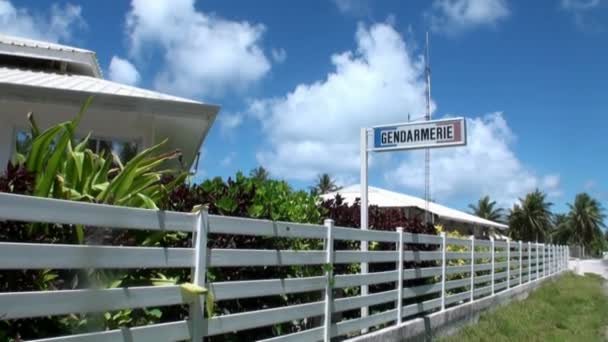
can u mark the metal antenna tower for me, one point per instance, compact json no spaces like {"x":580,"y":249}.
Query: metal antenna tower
{"x":427,"y":152}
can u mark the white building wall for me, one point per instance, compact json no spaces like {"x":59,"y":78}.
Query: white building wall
{"x":111,"y":125}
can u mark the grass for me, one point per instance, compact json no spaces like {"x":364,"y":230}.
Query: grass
{"x":573,"y":308}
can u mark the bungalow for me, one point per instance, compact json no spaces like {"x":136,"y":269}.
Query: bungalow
{"x":53,"y":81}
{"x":451,"y":219}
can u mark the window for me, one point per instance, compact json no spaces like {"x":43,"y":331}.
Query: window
{"x":23,"y":142}
{"x":125,"y":150}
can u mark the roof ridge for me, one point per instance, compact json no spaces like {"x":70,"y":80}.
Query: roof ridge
{"x":29,"y":42}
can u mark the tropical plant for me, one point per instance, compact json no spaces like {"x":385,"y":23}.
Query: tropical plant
{"x":531,"y":218}
{"x":325,"y":184}
{"x":586,"y":218}
{"x":64,"y":169}
{"x":485,"y":208}
{"x":259,"y":174}
{"x":55,"y":165}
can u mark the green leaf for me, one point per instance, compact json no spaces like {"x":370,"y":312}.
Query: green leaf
{"x":76,"y":121}
{"x":226,"y":204}
{"x":33,"y":125}
{"x":256,"y":210}
{"x":163,"y":281}
{"x":155,"y":313}
{"x":193,"y":289}
{"x":210,"y":304}
{"x":101,"y":186}
{"x":45,"y":180}
{"x":148,"y":202}
{"x":101,"y":176}
{"x":18,"y":159}
{"x":79,"y":229}
{"x":78,"y":158}
{"x":119,"y":186}
{"x":40,"y":146}
{"x":83,"y":144}
{"x":153,"y":238}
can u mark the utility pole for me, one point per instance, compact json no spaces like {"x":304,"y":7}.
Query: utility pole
{"x":427,"y":151}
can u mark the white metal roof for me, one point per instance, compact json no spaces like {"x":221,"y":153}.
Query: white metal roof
{"x":79,"y":83}
{"x":17,"y":46}
{"x":172,"y":112}
{"x":386,"y":198}
{"x":20,"y":41}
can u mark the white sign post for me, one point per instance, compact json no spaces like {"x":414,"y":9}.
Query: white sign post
{"x":403,"y":136}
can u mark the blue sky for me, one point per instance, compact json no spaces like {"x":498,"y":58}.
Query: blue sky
{"x":297,"y":79}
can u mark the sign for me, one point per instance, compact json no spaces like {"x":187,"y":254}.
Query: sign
{"x":423,"y":134}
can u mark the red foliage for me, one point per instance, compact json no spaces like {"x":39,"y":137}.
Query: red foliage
{"x":17,"y":180}
{"x":379,"y":218}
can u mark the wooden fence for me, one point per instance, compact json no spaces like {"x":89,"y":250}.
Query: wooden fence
{"x":477,"y":268}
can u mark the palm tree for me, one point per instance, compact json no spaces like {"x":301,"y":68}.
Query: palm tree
{"x":562,"y":232}
{"x":531,"y":218}
{"x":325,"y":184}
{"x":259,"y":174}
{"x":587,"y":219}
{"x":486,"y":209}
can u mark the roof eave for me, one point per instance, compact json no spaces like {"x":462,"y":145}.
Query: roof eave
{"x":167,"y":107}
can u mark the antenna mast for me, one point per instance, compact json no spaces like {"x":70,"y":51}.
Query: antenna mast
{"x":427,"y":152}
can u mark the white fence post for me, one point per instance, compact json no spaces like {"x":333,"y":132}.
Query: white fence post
{"x":472,"y":267}
{"x":329,"y":271}
{"x":520,"y":262}
{"x":565,"y":248}
{"x":553,"y":265}
{"x":400,"y":275}
{"x":561,"y":254}
{"x":537,"y":261}
{"x":544,"y":261}
{"x":529,"y":261}
{"x":492,"y":254}
{"x":199,"y":242}
{"x":559,"y":259}
{"x":554,"y":259}
{"x":550,"y":256}
{"x":443,"y":269}
{"x":508,"y":263}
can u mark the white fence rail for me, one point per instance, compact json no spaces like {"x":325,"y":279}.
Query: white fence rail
{"x":461,"y":270}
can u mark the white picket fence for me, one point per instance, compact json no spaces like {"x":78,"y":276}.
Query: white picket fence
{"x":507,"y":264}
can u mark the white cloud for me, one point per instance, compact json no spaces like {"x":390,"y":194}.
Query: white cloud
{"x":584,"y":14}
{"x":552,"y":185}
{"x":203,"y":54}
{"x":455,"y":16}
{"x":315,"y":127}
{"x":590,"y":185}
{"x":486,"y":166}
{"x":228,"y":159}
{"x":122,"y":71}
{"x":279,"y":55}
{"x":580,"y":4}
{"x":57,"y":24}
{"x":353,"y":7}
{"x":230,"y":122}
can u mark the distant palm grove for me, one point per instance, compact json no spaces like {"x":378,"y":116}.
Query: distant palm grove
{"x":531,"y":219}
